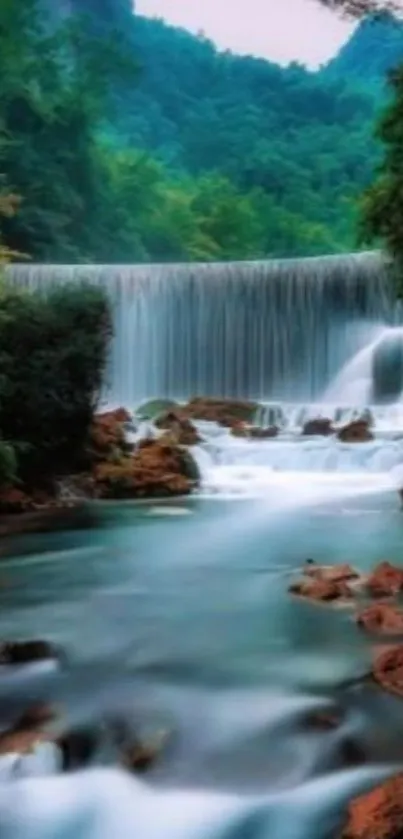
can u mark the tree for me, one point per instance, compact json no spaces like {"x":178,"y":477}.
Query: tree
{"x":362,"y":8}
{"x":382,"y":220}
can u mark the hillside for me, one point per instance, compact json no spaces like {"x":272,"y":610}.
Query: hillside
{"x":373,"y":50}
{"x":202,"y":155}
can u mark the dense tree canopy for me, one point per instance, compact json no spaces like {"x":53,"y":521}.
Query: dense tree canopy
{"x":152,"y":145}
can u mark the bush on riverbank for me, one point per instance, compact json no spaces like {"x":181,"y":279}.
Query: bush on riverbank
{"x":53,"y":352}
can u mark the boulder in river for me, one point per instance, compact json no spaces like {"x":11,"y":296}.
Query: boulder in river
{"x":180,"y":427}
{"x":377,"y":814}
{"x":254,"y":432}
{"x":387,"y":670}
{"x":26,"y":652}
{"x":225,"y":412}
{"x":357,"y":431}
{"x":381,"y":619}
{"x":319,"y":427}
{"x":158,"y":468}
{"x":386,"y":580}
{"x":331,"y":573}
{"x":321,"y":590}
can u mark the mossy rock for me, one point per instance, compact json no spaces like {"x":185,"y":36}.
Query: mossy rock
{"x":155,"y":408}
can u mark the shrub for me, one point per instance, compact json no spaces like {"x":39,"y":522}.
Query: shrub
{"x":53,"y":353}
{"x":8,"y":464}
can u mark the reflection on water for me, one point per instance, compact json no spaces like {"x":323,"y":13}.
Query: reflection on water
{"x":177,"y":616}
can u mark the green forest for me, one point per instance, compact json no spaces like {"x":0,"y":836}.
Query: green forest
{"x":123,"y":139}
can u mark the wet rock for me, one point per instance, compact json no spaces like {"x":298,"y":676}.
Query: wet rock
{"x":377,"y":814}
{"x":386,"y":580}
{"x":29,"y":730}
{"x":155,"y":408}
{"x":326,"y":719}
{"x":78,"y":747}
{"x":321,"y":590}
{"x":253,"y":432}
{"x":319,"y":427}
{"x":331,"y":573}
{"x":107,"y":438}
{"x":226,"y":412}
{"x":381,"y":619}
{"x":156,"y":469}
{"x":356,"y":432}
{"x":182,"y":429}
{"x":25,"y":652}
{"x":140,"y":756}
{"x":387,"y":670}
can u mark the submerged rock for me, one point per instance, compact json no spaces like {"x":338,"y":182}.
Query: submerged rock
{"x":319,"y":427}
{"x":357,"y":431}
{"x":181,"y":429}
{"x":386,"y":580}
{"x":381,"y":619}
{"x":377,"y":814}
{"x":388,"y":670}
{"x":226,"y":412}
{"x":25,"y":652}
{"x":254,"y":432}
{"x":321,"y":590}
{"x":331,"y":573}
{"x":27,"y":749}
{"x":140,"y":756}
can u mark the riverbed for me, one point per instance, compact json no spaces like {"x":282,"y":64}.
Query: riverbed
{"x":176,"y":615}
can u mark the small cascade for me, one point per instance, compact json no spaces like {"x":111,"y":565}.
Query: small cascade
{"x":374,"y":374}
{"x":262,"y":330}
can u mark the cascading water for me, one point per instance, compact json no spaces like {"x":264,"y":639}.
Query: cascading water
{"x":279,"y":329}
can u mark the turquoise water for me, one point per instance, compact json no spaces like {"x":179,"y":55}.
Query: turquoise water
{"x":177,"y":616}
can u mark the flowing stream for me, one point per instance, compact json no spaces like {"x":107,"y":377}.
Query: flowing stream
{"x":175,"y":615}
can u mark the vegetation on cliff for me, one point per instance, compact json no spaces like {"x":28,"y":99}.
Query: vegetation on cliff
{"x":154,"y":146}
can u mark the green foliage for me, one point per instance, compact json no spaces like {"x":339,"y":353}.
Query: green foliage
{"x":53,"y":352}
{"x":8,"y":464}
{"x":382,"y":217}
{"x":152,"y":146}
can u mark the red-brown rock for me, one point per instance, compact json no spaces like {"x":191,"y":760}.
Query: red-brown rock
{"x":107,"y":434}
{"x":28,"y":731}
{"x":156,"y":469}
{"x":226,"y":412}
{"x":388,"y":670}
{"x":377,"y":814}
{"x":386,"y":580}
{"x":331,"y":573}
{"x":321,"y":590}
{"x":181,"y":428}
{"x":381,"y":619}
{"x":319,"y":427}
{"x":356,"y":432}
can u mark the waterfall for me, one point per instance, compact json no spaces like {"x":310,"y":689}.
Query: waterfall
{"x":266,"y":330}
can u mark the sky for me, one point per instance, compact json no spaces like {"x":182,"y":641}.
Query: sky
{"x":281,"y":30}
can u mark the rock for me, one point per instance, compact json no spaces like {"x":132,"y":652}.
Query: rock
{"x":381,"y":619}
{"x":324,"y":720}
{"x":155,"y":408}
{"x":226,"y":412}
{"x":107,"y":438}
{"x":331,"y":573}
{"x":355,"y":432}
{"x":254,"y":432}
{"x":142,"y":756}
{"x":25,"y":652}
{"x":78,"y":747}
{"x":319,"y":427}
{"x":182,"y":429}
{"x":377,"y":814}
{"x":387,"y":368}
{"x":27,"y":731}
{"x":385,"y":581}
{"x":387,"y":670}
{"x":156,"y":469}
{"x":321,"y":590}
